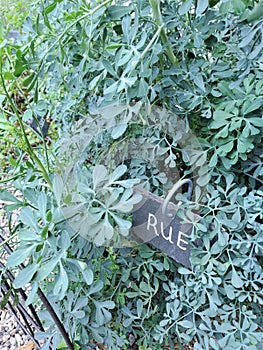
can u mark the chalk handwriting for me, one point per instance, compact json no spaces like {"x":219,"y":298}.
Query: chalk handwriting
{"x":153,"y":223}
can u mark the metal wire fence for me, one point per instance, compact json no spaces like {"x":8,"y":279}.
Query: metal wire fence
{"x":15,"y":301}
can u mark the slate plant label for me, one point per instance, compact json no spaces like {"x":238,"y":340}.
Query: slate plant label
{"x":41,"y":127}
{"x":164,"y":232}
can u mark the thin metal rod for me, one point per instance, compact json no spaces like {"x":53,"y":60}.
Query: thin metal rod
{"x":48,"y":306}
{"x":37,"y":323}
{"x":27,"y":329}
{"x":57,"y":321}
{"x":174,"y":189}
{"x":24,"y":328}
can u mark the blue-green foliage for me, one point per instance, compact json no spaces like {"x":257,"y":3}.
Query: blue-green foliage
{"x":204,"y":64}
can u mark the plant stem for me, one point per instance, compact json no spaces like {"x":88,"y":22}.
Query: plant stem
{"x":21,"y":124}
{"x":8,"y":239}
{"x":10,"y":178}
{"x":90,"y":13}
{"x":155,"y":5}
{"x":147,"y":48}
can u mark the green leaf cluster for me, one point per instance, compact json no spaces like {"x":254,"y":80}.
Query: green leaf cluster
{"x":201,"y":60}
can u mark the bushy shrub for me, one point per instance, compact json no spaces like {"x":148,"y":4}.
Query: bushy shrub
{"x":200,"y":60}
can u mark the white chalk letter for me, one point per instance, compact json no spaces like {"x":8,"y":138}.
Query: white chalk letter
{"x":169,"y":237}
{"x":179,"y":240}
{"x":153,"y":223}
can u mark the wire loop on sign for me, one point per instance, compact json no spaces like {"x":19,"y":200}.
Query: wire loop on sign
{"x":174,"y":189}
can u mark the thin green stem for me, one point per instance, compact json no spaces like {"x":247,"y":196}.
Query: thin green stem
{"x":41,"y":136}
{"x":155,"y":5}
{"x":8,"y":239}
{"x":22,"y":127}
{"x":152,"y":41}
{"x":90,"y":13}
{"x":11,"y":178}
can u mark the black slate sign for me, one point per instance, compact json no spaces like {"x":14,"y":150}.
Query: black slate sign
{"x":163,"y":230}
{"x":40,"y":126}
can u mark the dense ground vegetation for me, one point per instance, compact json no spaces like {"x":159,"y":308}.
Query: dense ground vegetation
{"x":200,"y":60}
{"x":13,"y":14}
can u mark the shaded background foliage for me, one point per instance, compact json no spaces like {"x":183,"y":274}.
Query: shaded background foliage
{"x":203,"y":61}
